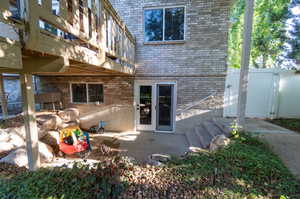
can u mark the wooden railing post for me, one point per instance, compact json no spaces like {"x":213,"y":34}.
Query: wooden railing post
{"x":32,"y":24}
{"x":30,"y":122}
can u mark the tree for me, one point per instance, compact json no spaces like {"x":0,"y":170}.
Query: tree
{"x":269,"y":33}
{"x":293,"y":44}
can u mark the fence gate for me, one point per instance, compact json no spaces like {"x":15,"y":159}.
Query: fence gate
{"x":262,"y":93}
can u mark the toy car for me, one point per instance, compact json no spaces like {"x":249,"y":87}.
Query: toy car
{"x":74,"y":141}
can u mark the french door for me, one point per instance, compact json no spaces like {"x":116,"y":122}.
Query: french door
{"x":155,"y":106}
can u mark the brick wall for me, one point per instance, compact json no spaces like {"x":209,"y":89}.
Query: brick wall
{"x":117,"y":109}
{"x":199,"y":64}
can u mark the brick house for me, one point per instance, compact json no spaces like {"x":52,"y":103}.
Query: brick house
{"x":178,"y":57}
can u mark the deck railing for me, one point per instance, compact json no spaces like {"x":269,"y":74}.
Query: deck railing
{"x":83,"y":30}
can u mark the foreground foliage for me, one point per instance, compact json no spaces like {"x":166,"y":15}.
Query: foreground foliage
{"x":245,"y":169}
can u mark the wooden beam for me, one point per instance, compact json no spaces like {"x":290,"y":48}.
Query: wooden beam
{"x":244,"y":72}
{"x":30,"y":122}
{"x":45,"y":64}
{"x":3,"y":98}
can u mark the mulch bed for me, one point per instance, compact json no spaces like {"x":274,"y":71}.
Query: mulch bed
{"x":10,"y":170}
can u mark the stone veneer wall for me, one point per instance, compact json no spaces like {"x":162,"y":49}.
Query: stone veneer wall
{"x":199,"y":64}
{"x":117,"y":109}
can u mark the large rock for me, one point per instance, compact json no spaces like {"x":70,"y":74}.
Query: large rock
{"x":4,"y":136}
{"x":52,"y":139}
{"x":158,"y":159}
{"x":218,"y":142}
{"x":50,"y":122}
{"x":19,"y":156}
{"x":46,"y":152}
{"x":70,"y":124}
{"x":12,"y":138}
{"x":69,"y":115}
{"x":6,"y":146}
{"x":20,"y":131}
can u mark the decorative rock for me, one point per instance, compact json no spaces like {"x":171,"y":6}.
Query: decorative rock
{"x":69,"y":124}
{"x":19,"y":156}
{"x":46,"y":152}
{"x":160,"y":157}
{"x":69,"y":115}
{"x":6,"y":146}
{"x":52,"y":139}
{"x":218,"y":142}
{"x":4,"y":136}
{"x":50,"y":122}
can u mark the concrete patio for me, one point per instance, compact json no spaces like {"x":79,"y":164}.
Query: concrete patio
{"x":140,"y":145}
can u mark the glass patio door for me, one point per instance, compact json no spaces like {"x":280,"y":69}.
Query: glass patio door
{"x":155,"y":106}
{"x":165,"y":103}
{"x":145,"y":107}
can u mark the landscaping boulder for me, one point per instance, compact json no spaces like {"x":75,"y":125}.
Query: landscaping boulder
{"x":158,"y":159}
{"x":69,"y":115}
{"x":50,"y":122}
{"x":52,"y":139}
{"x":70,"y":124}
{"x":6,"y":146}
{"x":19,"y":156}
{"x":46,"y":152}
{"x":220,"y":141}
{"x":4,"y":136}
{"x":12,"y":138}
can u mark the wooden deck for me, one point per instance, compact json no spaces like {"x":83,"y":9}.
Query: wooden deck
{"x":64,"y":36}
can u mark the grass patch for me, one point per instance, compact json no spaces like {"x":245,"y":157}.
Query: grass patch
{"x":244,"y":169}
{"x":292,"y":124}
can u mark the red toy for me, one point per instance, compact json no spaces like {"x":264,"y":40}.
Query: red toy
{"x":73,"y":140}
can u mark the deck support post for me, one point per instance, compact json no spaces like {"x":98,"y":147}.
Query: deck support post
{"x":30,"y":122}
{"x":244,"y":71}
{"x":3,"y":98}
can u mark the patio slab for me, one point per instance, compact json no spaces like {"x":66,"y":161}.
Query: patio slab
{"x":140,"y":145}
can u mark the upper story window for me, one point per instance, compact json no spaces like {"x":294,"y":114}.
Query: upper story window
{"x":164,"y":24}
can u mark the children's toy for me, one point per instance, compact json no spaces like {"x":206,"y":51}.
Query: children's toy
{"x":73,"y":140}
{"x":98,"y":129}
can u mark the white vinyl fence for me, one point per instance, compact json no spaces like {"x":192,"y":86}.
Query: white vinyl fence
{"x":272,"y":93}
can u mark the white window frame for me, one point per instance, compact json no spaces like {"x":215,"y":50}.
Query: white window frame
{"x":87,"y":92}
{"x":164,"y":8}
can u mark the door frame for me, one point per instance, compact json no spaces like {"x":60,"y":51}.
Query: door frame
{"x":154,"y":84}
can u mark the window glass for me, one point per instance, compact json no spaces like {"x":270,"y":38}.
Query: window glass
{"x":165,"y":24}
{"x":153,"y":25}
{"x":55,"y":7}
{"x":79,"y":94}
{"x":95,"y":93}
{"x":174,"y":23}
{"x":14,"y":8}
